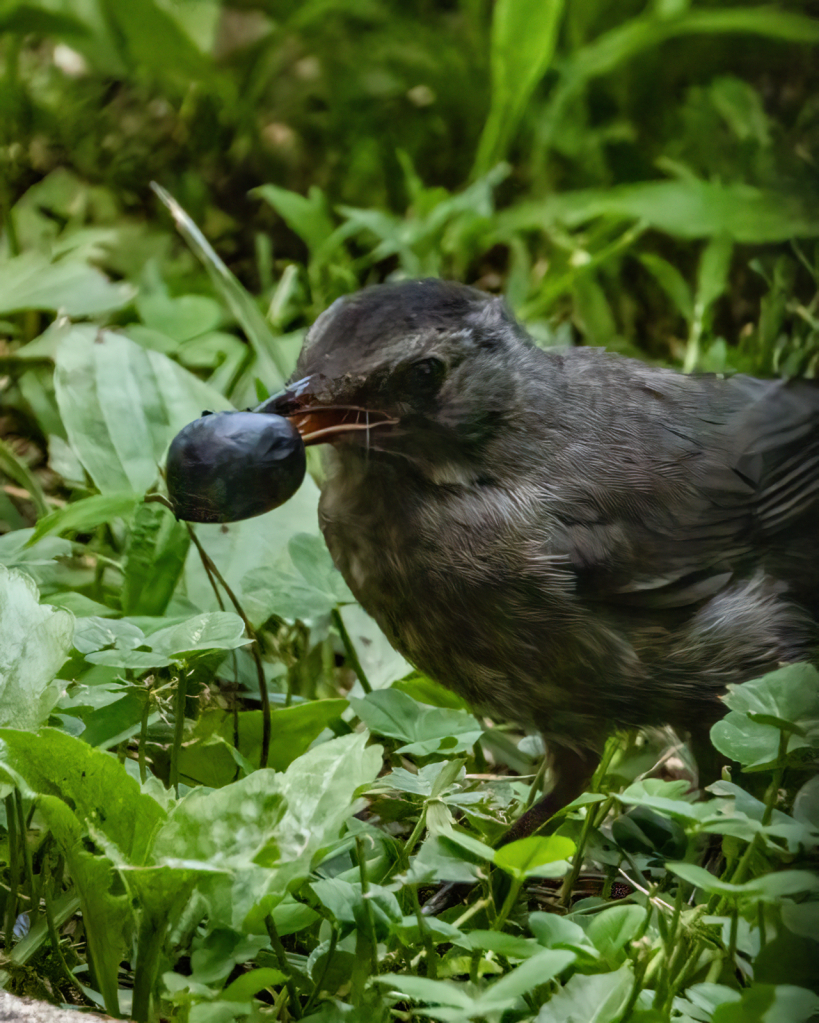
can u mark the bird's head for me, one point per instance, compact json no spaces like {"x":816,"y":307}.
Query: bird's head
{"x":426,"y":370}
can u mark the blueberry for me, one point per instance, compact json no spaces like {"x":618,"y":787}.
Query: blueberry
{"x":229,"y":466}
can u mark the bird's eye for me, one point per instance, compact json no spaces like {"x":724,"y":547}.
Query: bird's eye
{"x":425,"y":376}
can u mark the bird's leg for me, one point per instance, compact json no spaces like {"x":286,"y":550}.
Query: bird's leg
{"x":571,"y":771}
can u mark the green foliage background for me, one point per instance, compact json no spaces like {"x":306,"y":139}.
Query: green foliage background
{"x":187,"y":721}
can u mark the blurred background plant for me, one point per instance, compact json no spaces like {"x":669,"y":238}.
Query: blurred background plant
{"x":640,"y":174}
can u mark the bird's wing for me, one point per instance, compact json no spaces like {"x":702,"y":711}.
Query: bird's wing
{"x":694,"y":497}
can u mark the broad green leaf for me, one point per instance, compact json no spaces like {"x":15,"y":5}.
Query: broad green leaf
{"x":33,"y":19}
{"x":215,"y":630}
{"x":293,"y":729}
{"x":35,"y":641}
{"x":154,"y":560}
{"x":535,"y":856}
{"x":790,"y":694}
{"x":599,"y":998}
{"x":767,"y":888}
{"x":662,"y":796}
{"x":509,"y":945}
{"x":612,"y":929}
{"x":538,"y":970}
{"x":424,"y":729}
{"x":253,"y":557}
{"x":266,"y":829}
{"x":122,"y":644}
{"x":69,"y":286}
{"x":151,"y":40}
{"x":105,"y":799}
{"x":180,"y":318}
{"x":553,"y":931}
{"x":684,"y":208}
{"x":251,"y":983}
{"x":422,"y":989}
{"x":308,"y":217}
{"x":440,"y":861}
{"x":380,"y":661}
{"x":108,"y":916}
{"x":347,"y":904}
{"x":122,"y":405}
{"x":524,"y":33}
{"x":86,"y":514}
{"x":768,"y":1003}
{"x":801,"y":918}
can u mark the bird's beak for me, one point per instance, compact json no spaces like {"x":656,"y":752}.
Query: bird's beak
{"x":317,"y":417}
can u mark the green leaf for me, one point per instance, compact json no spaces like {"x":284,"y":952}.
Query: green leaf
{"x":69,"y":286}
{"x":122,"y":644}
{"x":538,"y":970}
{"x":215,"y":630}
{"x":293,"y":730}
{"x":16,"y":469}
{"x":508,"y":945}
{"x":308,"y":217}
{"x":422,"y":989}
{"x":180,"y":318}
{"x":108,"y":917}
{"x":271,"y":365}
{"x":767,"y":888}
{"x":381,"y":662}
{"x":86,"y":514}
{"x":535,"y":856}
{"x":611,"y":930}
{"x":266,"y":829}
{"x":524,"y":34}
{"x":35,"y":641}
{"x":599,"y":998}
{"x":662,"y":796}
{"x":712,"y":275}
{"x":252,"y":555}
{"x":122,"y":405}
{"x":347,"y":904}
{"x":424,"y":729}
{"x":155,"y":558}
{"x":767,"y":1003}
{"x":684,"y":209}
{"x":153,"y":42}
{"x":789,"y":695}
{"x":553,"y":931}
{"x":251,"y":983}
{"x":104,"y":797}
{"x":672,"y":282}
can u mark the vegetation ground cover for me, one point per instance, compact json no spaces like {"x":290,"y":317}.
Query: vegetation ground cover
{"x":224,"y":795}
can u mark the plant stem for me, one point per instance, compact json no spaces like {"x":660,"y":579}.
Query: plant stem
{"x":284,"y":966}
{"x":14,"y":872}
{"x":508,"y":904}
{"x":255,"y":645}
{"x":316,"y":994}
{"x":368,"y":913}
{"x":350,"y":650}
{"x":537,"y":783}
{"x":55,"y":938}
{"x":577,"y":859}
{"x":143,"y":737}
{"x":179,"y":728}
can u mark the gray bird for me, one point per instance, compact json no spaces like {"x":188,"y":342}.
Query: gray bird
{"x":567,"y":538}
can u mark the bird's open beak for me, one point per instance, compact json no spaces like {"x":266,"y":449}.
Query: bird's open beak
{"x":320,"y":422}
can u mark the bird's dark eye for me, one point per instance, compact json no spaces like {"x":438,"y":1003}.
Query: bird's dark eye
{"x":425,"y":376}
